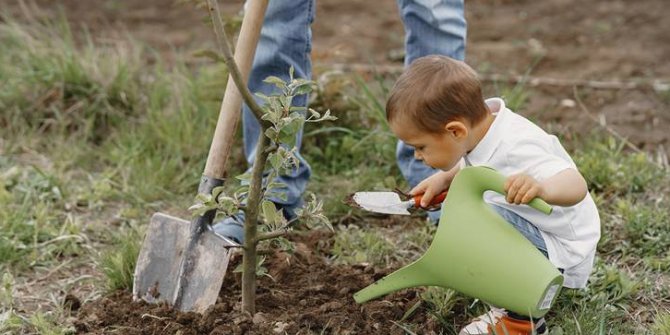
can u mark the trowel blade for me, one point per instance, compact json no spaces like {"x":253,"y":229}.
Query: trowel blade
{"x":381,"y":202}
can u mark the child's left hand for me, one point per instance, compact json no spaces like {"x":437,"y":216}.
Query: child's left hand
{"x":522,"y":188}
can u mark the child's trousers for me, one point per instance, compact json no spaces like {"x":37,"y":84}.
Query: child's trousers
{"x":527,"y":229}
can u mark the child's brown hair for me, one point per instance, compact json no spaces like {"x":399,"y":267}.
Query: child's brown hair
{"x":434,"y":91}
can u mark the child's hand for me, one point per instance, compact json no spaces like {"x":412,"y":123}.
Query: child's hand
{"x":432,"y":186}
{"x":522,"y":188}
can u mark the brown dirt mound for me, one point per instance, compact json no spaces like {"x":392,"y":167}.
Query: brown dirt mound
{"x":305,"y":294}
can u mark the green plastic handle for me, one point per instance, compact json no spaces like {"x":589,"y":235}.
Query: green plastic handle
{"x":495,"y":181}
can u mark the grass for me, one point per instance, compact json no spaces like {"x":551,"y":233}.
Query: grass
{"x":118,"y":262}
{"x":94,"y":138}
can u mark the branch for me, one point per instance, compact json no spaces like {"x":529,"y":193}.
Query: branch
{"x":229,"y":59}
{"x":273,"y":234}
{"x":277,"y":233}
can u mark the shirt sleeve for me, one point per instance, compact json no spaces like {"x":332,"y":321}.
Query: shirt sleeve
{"x":540,"y":158}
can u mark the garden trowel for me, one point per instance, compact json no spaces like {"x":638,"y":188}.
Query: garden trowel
{"x":390,"y":203}
{"x":183,"y":263}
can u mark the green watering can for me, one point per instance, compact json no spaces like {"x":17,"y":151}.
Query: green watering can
{"x":476,"y":252}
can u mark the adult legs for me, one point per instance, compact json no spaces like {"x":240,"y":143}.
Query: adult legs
{"x":431,"y":27}
{"x":285,"y":42}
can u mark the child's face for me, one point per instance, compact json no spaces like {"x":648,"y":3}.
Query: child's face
{"x":440,"y":151}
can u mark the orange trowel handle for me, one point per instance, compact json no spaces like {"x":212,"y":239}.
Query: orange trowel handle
{"x":438,"y":199}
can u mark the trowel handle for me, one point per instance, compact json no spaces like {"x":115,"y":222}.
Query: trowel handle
{"x":438,"y":199}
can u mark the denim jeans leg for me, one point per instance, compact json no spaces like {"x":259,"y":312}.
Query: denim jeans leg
{"x":527,"y":229}
{"x":285,"y":42}
{"x":431,"y":27}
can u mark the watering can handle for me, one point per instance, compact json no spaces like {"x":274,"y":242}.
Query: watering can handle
{"x":492,"y":180}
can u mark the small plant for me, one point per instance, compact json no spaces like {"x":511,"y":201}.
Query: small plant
{"x":353,"y":245}
{"x":276,"y":154}
{"x":610,"y":171}
{"x":661,"y":324}
{"x":441,"y":302}
{"x":118,"y":263}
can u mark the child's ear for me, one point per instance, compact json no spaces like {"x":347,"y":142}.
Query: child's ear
{"x":457,"y":128}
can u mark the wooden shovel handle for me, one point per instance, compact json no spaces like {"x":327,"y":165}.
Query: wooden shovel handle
{"x":230,"y":111}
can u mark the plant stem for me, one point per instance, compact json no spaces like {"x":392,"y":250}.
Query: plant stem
{"x":255,"y":189}
{"x":251,"y":227}
{"x":283,"y":231}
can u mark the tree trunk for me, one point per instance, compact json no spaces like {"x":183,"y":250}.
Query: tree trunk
{"x":251,"y":227}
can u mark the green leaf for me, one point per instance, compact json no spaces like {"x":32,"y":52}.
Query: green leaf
{"x":275,"y":160}
{"x":275,"y":185}
{"x":287,"y":135}
{"x":275,"y":81}
{"x":303,"y":88}
{"x":271,"y":133}
{"x":262,"y":96}
{"x":217,"y":191}
{"x":269,"y":212}
{"x":245,"y":177}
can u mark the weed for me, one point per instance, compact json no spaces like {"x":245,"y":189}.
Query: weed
{"x":55,"y":87}
{"x":353,"y":245}
{"x":441,"y":303}
{"x":609,"y":170}
{"x":33,"y":228}
{"x":661,"y":325}
{"x":118,"y":262}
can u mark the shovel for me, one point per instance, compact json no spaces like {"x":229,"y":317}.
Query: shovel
{"x":390,"y":202}
{"x":183,"y":263}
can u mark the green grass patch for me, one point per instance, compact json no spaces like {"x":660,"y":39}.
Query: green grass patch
{"x":610,"y":170}
{"x":118,"y":262}
{"x":34,"y":225}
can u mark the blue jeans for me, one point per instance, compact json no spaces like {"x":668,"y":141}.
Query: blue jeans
{"x":431,"y":26}
{"x":527,"y":229}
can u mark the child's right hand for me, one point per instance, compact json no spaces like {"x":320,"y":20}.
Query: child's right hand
{"x":432,"y":186}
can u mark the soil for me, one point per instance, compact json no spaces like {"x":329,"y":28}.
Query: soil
{"x":303,"y":294}
{"x":578,"y":42}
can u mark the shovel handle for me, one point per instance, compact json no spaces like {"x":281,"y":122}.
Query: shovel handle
{"x":438,"y":199}
{"x":229,"y":114}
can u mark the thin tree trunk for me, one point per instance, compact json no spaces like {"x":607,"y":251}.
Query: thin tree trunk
{"x":250,"y":227}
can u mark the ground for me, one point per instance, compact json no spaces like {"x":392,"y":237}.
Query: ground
{"x":595,"y":64}
{"x":575,"y":44}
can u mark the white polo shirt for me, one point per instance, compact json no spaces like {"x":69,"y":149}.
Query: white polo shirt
{"x":513,"y":144}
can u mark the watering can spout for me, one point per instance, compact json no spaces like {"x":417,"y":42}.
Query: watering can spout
{"x":406,"y":277}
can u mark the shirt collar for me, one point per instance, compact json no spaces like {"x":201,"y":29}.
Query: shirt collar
{"x":489,"y":143}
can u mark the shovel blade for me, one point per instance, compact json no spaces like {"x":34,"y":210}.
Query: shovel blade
{"x":158,"y":266}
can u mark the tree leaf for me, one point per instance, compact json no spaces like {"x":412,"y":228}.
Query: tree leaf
{"x":275,"y":81}
{"x":245,"y":177}
{"x":269,"y":212}
{"x":276,"y":160}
